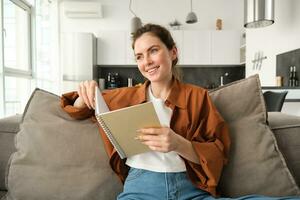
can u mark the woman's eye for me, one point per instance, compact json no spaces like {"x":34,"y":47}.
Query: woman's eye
{"x":153,"y":50}
{"x":138,"y":57}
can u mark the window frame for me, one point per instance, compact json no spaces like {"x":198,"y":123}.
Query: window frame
{"x":17,"y":72}
{"x":7,"y":71}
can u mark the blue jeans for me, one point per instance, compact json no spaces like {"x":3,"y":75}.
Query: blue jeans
{"x":147,"y":185}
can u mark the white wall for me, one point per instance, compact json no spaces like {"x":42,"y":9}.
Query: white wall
{"x":1,"y":71}
{"x":116,"y":14}
{"x":280,"y":37}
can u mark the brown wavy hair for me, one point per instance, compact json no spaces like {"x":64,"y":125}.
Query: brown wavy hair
{"x":165,"y":36}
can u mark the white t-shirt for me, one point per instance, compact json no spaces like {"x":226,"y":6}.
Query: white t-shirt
{"x":157,"y":161}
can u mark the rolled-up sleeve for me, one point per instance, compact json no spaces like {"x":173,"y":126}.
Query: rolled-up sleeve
{"x":211,"y":143}
{"x":67,"y":100}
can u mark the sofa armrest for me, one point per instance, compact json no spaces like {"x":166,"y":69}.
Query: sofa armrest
{"x":286,"y":129}
{"x":9,"y":126}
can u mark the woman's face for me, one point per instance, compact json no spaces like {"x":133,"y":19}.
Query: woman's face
{"x":153,"y":58}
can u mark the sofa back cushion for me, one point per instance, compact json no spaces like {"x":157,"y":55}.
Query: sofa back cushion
{"x":256,"y":166}
{"x":58,"y":157}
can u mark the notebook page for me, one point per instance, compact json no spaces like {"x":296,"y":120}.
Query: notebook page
{"x":101,"y":106}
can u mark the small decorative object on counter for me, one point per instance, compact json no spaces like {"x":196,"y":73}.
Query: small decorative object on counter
{"x":114,"y":81}
{"x":219,"y":24}
{"x":293,"y":80}
{"x":101,"y":84}
{"x":129,"y":80}
{"x":108,"y":80}
{"x":291,"y":76}
{"x":117,"y":79}
{"x":296,"y":82}
{"x":279,"y":81}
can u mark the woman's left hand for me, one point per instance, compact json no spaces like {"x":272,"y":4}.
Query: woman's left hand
{"x":162,"y":139}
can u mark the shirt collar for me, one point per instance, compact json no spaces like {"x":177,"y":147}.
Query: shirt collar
{"x":177,"y":96}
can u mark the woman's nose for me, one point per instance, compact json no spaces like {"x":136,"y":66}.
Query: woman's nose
{"x":147,"y":60}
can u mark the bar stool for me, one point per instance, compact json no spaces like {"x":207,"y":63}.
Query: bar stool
{"x":274,"y":100}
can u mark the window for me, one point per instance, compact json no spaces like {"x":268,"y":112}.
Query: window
{"x":30,"y":53}
{"x":17,"y":56}
{"x":16,"y":37}
{"x":16,"y":94}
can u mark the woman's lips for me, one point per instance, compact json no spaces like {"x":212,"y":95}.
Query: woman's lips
{"x":152,"y":70}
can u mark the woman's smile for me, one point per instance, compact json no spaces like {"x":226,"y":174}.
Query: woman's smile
{"x":152,"y":70}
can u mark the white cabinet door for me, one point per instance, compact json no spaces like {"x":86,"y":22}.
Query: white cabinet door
{"x":111,"y":48}
{"x":225,"y":47}
{"x":77,"y":58}
{"x":130,"y":59}
{"x":196,"y":47}
{"x":178,"y":39}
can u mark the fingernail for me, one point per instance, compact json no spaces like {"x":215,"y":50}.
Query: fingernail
{"x":139,"y":130}
{"x":136,"y":137}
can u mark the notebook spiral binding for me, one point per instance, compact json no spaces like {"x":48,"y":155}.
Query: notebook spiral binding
{"x":110,"y":137}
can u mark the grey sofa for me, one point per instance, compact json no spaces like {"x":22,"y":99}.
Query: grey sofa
{"x":286,"y":129}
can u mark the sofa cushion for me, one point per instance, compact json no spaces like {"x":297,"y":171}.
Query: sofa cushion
{"x":287,"y":132}
{"x":9,"y":126}
{"x":256,"y":166}
{"x":58,"y":157}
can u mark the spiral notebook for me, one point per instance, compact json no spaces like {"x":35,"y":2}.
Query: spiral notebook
{"x":120,"y":125}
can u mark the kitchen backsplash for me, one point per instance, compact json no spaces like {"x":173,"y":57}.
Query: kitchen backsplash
{"x":283,"y":63}
{"x":204,"y":76}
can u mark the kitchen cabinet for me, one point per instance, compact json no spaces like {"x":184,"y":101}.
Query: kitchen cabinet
{"x":130,"y":58}
{"x":225,"y":47}
{"x":196,"y":47}
{"x":111,"y":48}
{"x":78,"y":56}
{"x":178,"y":39}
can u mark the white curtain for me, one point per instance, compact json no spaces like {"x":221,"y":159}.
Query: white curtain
{"x":48,"y":73}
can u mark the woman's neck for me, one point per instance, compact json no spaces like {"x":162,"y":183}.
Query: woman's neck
{"x":161,"y":90}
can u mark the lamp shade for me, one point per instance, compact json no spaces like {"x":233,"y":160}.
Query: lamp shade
{"x":135,"y":24}
{"x":191,"y":18}
{"x":258,"y":13}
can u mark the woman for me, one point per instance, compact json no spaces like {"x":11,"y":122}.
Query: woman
{"x":189,"y":150}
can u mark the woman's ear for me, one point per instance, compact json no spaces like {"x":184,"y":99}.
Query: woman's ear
{"x":174,"y":53}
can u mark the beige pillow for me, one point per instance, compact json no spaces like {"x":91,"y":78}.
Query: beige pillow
{"x":58,"y":157}
{"x":256,"y":166}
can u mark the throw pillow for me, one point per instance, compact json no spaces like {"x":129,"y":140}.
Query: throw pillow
{"x":58,"y":157}
{"x":256,"y":166}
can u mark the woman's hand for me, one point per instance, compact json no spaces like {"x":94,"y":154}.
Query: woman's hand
{"x":165,"y":140}
{"x":159,"y":139}
{"x":86,"y":92}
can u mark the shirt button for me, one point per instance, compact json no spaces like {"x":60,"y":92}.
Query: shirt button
{"x":167,"y":103}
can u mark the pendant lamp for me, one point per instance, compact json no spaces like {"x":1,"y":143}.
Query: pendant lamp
{"x":258,"y":13}
{"x":135,"y":22}
{"x":191,"y":17}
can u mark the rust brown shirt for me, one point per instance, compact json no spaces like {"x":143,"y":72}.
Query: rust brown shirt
{"x":194,"y":118}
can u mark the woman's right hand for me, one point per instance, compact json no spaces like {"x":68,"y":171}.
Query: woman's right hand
{"x":86,"y":92}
